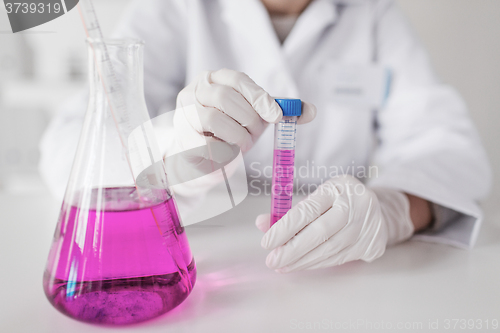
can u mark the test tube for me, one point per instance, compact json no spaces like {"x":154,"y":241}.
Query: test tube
{"x":284,"y":158}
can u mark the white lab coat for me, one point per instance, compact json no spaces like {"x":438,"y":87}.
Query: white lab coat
{"x":421,"y":139}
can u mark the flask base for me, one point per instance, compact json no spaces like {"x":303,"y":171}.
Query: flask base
{"x":120,"y":301}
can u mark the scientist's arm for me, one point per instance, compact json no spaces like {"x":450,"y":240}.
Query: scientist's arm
{"x":428,"y":149}
{"x":420,"y":212}
{"x":428,"y":145}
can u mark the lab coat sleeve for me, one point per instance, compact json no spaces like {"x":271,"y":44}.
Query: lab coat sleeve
{"x":160,"y":23}
{"x":428,"y":145}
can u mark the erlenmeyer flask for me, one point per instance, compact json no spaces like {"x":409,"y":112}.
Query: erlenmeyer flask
{"x":120,"y":254}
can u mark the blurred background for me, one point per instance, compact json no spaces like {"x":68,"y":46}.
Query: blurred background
{"x":42,"y":66}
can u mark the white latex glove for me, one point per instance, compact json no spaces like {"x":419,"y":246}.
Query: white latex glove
{"x":229,"y":106}
{"x":217,"y":115}
{"x":341,"y":221}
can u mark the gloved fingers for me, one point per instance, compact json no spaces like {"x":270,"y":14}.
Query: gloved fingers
{"x":263,"y":222}
{"x":346,"y":255}
{"x":300,"y":216}
{"x":346,"y":245}
{"x":309,"y":112}
{"x":336,"y":260}
{"x":373,"y":242}
{"x":308,"y":239}
{"x":216,"y":152}
{"x":363,"y":237}
{"x":321,"y":257}
{"x":187,"y":127}
{"x":259,"y":99}
{"x":221,"y":152}
{"x":395,"y":207}
{"x":216,"y":123}
{"x":233,"y":104}
{"x":337,"y":219}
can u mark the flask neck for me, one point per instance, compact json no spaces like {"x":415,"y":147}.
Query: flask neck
{"x":120,"y":64}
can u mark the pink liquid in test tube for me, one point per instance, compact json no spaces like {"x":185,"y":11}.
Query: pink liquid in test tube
{"x":131,"y":262}
{"x":284,"y":158}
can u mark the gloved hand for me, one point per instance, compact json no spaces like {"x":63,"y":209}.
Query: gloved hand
{"x":229,"y":106}
{"x":343,"y":220}
{"x":218,"y":114}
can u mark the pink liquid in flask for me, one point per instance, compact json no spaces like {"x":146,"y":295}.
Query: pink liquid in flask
{"x":123,"y":263}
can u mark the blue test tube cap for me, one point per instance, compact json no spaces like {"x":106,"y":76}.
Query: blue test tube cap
{"x":290,"y":107}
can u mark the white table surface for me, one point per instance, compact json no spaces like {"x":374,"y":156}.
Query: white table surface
{"x":413,"y":284}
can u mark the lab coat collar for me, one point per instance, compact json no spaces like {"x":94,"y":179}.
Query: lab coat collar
{"x":317,"y":16}
{"x":251,"y":21}
{"x":250,"y":18}
{"x":349,"y":2}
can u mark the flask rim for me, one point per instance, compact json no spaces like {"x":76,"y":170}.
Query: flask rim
{"x":115,"y":41}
